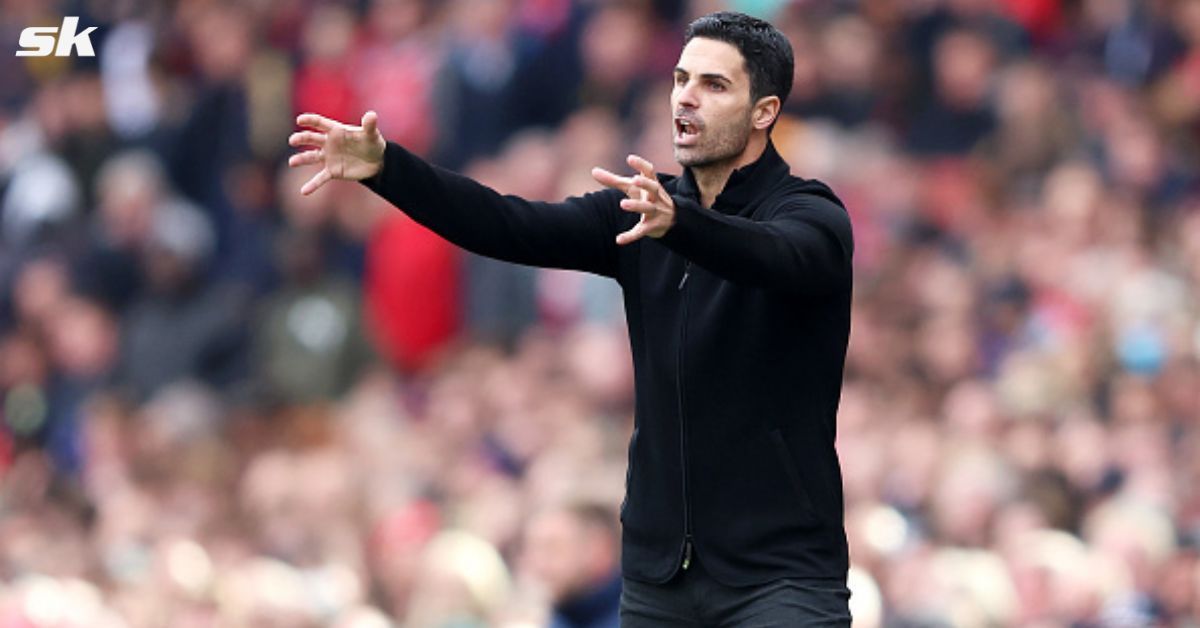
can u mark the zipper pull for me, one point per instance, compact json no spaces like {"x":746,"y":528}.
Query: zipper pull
{"x":687,"y":268}
{"x":687,"y":549}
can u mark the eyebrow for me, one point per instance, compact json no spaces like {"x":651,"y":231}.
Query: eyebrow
{"x":712,"y":76}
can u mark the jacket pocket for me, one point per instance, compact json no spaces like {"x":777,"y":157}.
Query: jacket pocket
{"x":792,"y":471}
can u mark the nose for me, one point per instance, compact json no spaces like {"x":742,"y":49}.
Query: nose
{"x":686,"y":95}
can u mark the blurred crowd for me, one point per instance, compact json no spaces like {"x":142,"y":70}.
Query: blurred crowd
{"x":225,"y":404}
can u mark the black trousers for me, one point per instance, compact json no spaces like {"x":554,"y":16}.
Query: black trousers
{"x":693,"y":598}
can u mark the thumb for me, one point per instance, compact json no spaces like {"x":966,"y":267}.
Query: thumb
{"x":370,"y":123}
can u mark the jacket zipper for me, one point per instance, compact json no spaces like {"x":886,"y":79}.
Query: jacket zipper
{"x":686,"y":551}
{"x":687,"y":269}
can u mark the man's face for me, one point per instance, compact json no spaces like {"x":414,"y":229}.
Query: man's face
{"x":711,"y":103}
{"x":556,"y":554}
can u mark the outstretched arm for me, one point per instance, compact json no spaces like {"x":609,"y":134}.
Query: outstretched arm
{"x":805,"y":248}
{"x":577,"y":233}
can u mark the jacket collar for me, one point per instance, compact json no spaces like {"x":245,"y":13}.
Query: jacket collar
{"x":745,"y":184}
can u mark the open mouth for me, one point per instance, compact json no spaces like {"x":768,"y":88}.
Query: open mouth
{"x":686,"y":131}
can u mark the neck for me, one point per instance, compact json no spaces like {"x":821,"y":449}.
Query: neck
{"x":711,"y":178}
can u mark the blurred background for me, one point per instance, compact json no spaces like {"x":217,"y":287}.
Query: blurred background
{"x":224,"y":404}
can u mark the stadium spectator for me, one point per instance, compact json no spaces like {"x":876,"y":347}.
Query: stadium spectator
{"x":574,"y":552}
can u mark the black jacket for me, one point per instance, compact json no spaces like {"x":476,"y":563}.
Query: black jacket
{"x":738,"y":320}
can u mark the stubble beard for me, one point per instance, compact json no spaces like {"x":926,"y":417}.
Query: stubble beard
{"x":728,"y":144}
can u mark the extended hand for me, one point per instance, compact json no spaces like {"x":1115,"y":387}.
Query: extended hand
{"x":646,"y":197}
{"x":344,"y":151}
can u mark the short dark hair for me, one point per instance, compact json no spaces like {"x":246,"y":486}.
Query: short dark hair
{"x":766,"y":51}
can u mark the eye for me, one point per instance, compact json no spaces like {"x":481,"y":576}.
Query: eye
{"x":716,"y":86}
{"x":680,"y":79}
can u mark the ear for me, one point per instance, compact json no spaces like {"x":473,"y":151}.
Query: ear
{"x":765,"y":111}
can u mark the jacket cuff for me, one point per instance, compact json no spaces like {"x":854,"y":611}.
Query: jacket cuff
{"x":392,"y":154}
{"x":688,"y":218}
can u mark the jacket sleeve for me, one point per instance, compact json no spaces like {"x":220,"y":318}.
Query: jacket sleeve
{"x":578,"y":233}
{"x":804,"y":248}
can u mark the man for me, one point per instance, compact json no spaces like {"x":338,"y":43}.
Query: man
{"x":737,"y":280}
{"x":573,"y":550}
